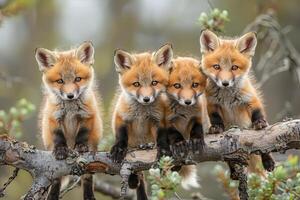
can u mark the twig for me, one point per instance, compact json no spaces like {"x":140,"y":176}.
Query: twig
{"x":10,"y":179}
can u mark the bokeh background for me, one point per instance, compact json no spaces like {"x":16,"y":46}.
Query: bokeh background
{"x":133,"y":25}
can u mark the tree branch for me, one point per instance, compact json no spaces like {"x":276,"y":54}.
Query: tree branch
{"x":232,"y":145}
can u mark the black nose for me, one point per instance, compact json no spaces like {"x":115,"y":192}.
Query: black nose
{"x":70,"y":96}
{"x":225,"y":83}
{"x":146,"y":99}
{"x":187,"y":102}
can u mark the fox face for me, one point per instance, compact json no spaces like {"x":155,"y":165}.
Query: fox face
{"x":186,"y":81}
{"x":226,"y":62}
{"x":143,"y":77}
{"x":68,"y":74}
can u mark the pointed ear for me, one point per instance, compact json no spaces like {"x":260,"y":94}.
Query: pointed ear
{"x":163,"y":56}
{"x":247,"y":43}
{"x":123,"y":60}
{"x":45,"y":58}
{"x":85,"y":53}
{"x":208,"y":41}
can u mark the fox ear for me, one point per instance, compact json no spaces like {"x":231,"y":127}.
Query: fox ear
{"x":45,"y":58}
{"x":247,"y":43}
{"x":85,"y":53}
{"x":163,"y":56}
{"x":208,"y":41}
{"x":123,"y":60}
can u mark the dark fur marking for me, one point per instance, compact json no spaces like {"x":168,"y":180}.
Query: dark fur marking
{"x":141,"y":192}
{"x":256,"y":115}
{"x":88,"y":193}
{"x":81,"y":141}
{"x":60,"y":145}
{"x":162,"y":142}
{"x":119,"y":150}
{"x":174,"y":136}
{"x":54,"y":190}
{"x":133,"y":181}
{"x":197,"y":131}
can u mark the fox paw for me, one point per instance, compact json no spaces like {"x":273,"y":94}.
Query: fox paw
{"x":260,"y":124}
{"x":163,"y":152}
{"x":81,"y":148}
{"x":60,"y":152}
{"x":216,"y":129}
{"x":180,"y":149}
{"x":118,"y":153}
{"x":268,"y":162}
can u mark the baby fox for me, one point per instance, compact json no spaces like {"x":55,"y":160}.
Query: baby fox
{"x":139,"y":111}
{"x":70,"y":115}
{"x":184,"y":117}
{"x":231,"y":94}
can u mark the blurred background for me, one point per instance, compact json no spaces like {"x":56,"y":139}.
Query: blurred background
{"x":133,"y":25}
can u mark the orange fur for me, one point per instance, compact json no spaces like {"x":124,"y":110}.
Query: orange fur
{"x":186,"y":72}
{"x":141,"y":69}
{"x":231,"y":91}
{"x":67,"y":63}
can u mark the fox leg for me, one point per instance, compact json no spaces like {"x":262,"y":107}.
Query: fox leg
{"x":163,"y":145}
{"x":217,"y":124}
{"x":119,"y":149}
{"x":60,"y":150}
{"x":137,"y":181}
{"x":88,"y":187}
{"x":259,"y":122}
{"x":82,"y":145}
{"x":197,"y":130}
{"x":54,"y":190}
{"x":81,"y":141}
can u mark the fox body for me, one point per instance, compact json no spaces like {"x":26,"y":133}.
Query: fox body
{"x":70,"y":116}
{"x":185,"y":111}
{"x":186,"y":85}
{"x":231,"y":94}
{"x":139,"y":111}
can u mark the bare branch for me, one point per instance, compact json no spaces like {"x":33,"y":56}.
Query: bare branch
{"x":232,"y":144}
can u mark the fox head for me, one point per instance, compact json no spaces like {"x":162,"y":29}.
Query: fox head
{"x":67,"y":74}
{"x":227,"y":61}
{"x":186,"y":81}
{"x":144,"y":76}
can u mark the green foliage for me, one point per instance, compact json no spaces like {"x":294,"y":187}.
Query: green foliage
{"x":281,"y":184}
{"x":10,"y":121}
{"x":163,"y":180}
{"x":215,"y":20}
{"x":13,"y":7}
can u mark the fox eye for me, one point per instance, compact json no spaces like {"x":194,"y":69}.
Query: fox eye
{"x":60,"y":81}
{"x":234,"y":67}
{"x":177,"y":85}
{"x":136,"y":84}
{"x":78,"y":79}
{"x":194,"y":85}
{"x":154,"y":83}
{"x":216,"y":67}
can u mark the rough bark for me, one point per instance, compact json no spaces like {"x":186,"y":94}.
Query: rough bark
{"x":234,"y":144}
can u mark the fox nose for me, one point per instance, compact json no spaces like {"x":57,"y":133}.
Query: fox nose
{"x":146,"y":99}
{"x":225,"y":83}
{"x":70,"y":96}
{"x":187,"y":102}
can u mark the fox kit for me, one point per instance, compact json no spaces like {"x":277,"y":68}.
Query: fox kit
{"x":231,"y":94}
{"x":70,"y":115}
{"x":139,"y":111}
{"x":186,"y":85}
